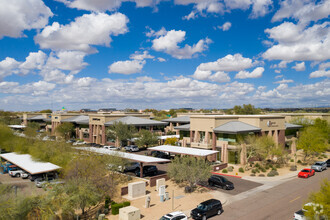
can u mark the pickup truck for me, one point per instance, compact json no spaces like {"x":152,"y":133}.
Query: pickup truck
{"x":299,"y":215}
{"x":16,"y":173}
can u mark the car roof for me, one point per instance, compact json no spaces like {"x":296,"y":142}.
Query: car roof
{"x":172,"y":214}
{"x":207,"y":202}
{"x":306,"y":169}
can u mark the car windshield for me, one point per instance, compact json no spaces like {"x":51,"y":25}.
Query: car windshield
{"x":223,"y":179}
{"x":202,"y":207}
{"x":164,"y":218}
{"x":305,"y":171}
{"x":319,"y":164}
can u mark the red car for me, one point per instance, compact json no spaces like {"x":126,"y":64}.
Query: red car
{"x":305,"y":173}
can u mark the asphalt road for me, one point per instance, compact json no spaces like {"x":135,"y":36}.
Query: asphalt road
{"x":279,"y":202}
{"x":241,"y":185}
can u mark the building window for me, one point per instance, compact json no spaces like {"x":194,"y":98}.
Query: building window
{"x":96,"y":119}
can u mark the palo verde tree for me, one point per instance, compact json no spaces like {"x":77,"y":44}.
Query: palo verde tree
{"x":171,"y":141}
{"x":246,"y":110}
{"x":189,"y":170}
{"x":146,"y":138}
{"x":65,"y":130}
{"x":121,"y":131}
{"x":319,"y":206}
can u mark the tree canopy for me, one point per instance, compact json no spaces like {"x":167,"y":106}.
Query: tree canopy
{"x":121,"y":131}
{"x":189,"y":170}
{"x":65,"y":130}
{"x":246,"y":110}
{"x":319,"y":202}
{"x":146,"y":138}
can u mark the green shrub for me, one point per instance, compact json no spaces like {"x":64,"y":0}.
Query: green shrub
{"x":278,"y":166}
{"x":252,"y":174}
{"x":253,"y":171}
{"x":263,"y":170}
{"x":257,"y":170}
{"x":272,"y":173}
{"x":274,"y":169}
{"x":107,"y":202}
{"x":230,"y":169}
{"x":115,"y":208}
{"x":291,"y":160}
{"x":127,"y":203}
{"x":257,"y":165}
{"x":261,"y":175}
{"x":293,"y":168}
{"x":299,"y":161}
{"x":241,"y":170}
{"x":225,"y":171}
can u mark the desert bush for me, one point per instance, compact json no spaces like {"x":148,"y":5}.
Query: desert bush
{"x":299,"y":161}
{"x":225,"y":171}
{"x":261,"y":175}
{"x":230,"y":169}
{"x":291,"y":160}
{"x":241,"y":170}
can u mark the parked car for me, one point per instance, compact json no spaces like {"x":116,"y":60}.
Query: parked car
{"x":299,"y":215}
{"x":16,"y":173}
{"x":79,"y":143}
{"x":305,"y":173}
{"x":42,"y":176}
{"x":131,"y":148}
{"x":328,"y":162}
{"x":70,"y":141}
{"x":207,"y":209}
{"x":174,"y":216}
{"x":319,"y":166}
{"x":110,"y":147}
{"x":133,"y":166}
{"x":40,"y":181}
{"x":220,"y":181}
{"x":149,"y":170}
{"x":160,"y":154}
{"x":25,"y":175}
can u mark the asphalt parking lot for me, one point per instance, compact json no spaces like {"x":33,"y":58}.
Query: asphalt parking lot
{"x":240,"y":185}
{"x":24,"y":186}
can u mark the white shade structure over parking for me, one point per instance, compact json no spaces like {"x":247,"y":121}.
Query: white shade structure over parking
{"x":184,"y":150}
{"x":26,"y":163}
{"x":129,"y":156}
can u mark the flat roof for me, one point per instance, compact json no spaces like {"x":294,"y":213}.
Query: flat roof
{"x":234,"y":127}
{"x":17,"y":126}
{"x":37,"y":117}
{"x":168,"y":136}
{"x":237,"y":116}
{"x":78,"y":119}
{"x":181,"y":119}
{"x":184,"y":150}
{"x":129,"y":156}
{"x":25,"y":162}
{"x":185,"y":127}
{"x":136,"y":121}
{"x":292,"y":126}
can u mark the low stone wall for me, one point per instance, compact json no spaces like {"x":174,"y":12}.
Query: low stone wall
{"x":153,"y":179}
{"x":219,"y":166}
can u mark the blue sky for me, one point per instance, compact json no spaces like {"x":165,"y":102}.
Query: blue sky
{"x":163,"y":54}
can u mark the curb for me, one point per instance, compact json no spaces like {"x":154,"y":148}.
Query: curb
{"x":222,"y":174}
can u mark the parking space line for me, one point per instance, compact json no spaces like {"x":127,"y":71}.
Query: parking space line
{"x":295,"y":199}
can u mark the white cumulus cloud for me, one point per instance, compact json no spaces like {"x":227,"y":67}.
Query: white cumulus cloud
{"x":87,"y":30}
{"x":139,"y":56}
{"x":7,"y":67}
{"x":168,"y":43}
{"x":320,"y":73}
{"x":225,"y":27}
{"x":127,"y":67}
{"x":17,"y":16}
{"x":299,"y":66}
{"x":256,"y":73}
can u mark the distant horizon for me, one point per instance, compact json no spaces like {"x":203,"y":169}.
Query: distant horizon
{"x":164,"y":54}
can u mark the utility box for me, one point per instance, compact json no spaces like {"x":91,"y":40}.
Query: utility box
{"x":160,"y":182}
{"x":129,"y":213}
{"x":136,"y":189}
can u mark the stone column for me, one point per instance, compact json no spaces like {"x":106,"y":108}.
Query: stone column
{"x":293,"y":145}
{"x":103,"y":135}
{"x":53,"y":128}
{"x":243,"y":154}
{"x":275,"y":137}
{"x":226,"y":153}
{"x":214,"y":141}
{"x":222,"y":152}
{"x":191,"y":136}
{"x":281,"y":138}
{"x":90,"y":133}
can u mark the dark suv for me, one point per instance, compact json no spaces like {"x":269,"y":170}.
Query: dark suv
{"x":207,"y":209}
{"x":220,"y":181}
{"x":160,"y":154}
{"x":148,"y":170}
